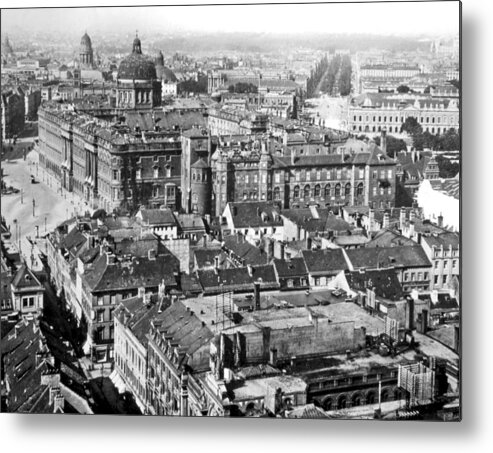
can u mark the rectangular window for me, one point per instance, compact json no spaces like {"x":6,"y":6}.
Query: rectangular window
{"x":318,"y":175}
{"x":361,"y":173}
{"x":170,"y":192}
{"x":247,"y":179}
{"x":445,"y":263}
{"x":277,"y":177}
{"x":308,"y":175}
{"x":436,"y":279}
{"x":255,"y":179}
{"x":156,"y":172}
{"x":100,"y":316}
{"x":116,"y":175}
{"x":454,"y":264}
{"x":444,"y":279}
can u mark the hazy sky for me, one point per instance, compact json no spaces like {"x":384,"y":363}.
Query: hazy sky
{"x":401,"y":18}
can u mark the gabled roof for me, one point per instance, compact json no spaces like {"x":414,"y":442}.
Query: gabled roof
{"x":138,"y":273}
{"x":25,"y":279}
{"x":246,"y":252}
{"x":323,"y":262}
{"x":295,"y":267}
{"x":444,"y":240}
{"x":157,"y":217}
{"x":254,"y":214}
{"x":237,"y":279}
{"x":382,"y":257}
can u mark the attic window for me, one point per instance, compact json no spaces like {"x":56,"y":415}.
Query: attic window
{"x":28,"y":277}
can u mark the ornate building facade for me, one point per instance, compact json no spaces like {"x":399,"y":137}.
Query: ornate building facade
{"x":255,"y":174}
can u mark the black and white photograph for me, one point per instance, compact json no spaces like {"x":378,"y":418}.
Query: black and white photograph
{"x":232,"y":211}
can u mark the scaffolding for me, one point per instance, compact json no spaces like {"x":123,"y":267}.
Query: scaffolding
{"x":419,"y":382}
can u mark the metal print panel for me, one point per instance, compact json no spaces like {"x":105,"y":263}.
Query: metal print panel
{"x":232,"y":211}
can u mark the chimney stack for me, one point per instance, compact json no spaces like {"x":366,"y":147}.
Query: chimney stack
{"x":386,"y":220}
{"x":402,"y":219}
{"x":256,"y":293}
{"x":371,"y":219}
{"x":383,"y":140}
{"x":250,"y":270}
{"x":308,"y":242}
{"x":410,"y":314}
{"x":440,"y":220}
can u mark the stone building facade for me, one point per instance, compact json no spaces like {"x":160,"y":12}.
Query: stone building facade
{"x":371,"y":113}
{"x":254,"y":174}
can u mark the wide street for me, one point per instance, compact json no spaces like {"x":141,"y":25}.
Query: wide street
{"x":37,"y":208}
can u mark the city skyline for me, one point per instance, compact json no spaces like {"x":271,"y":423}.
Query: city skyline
{"x":406,"y":18}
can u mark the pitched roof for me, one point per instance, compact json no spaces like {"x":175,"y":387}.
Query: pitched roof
{"x":237,"y":279}
{"x":255,"y":214}
{"x":247,"y":253}
{"x":444,"y":240}
{"x":381,"y":257}
{"x":326,"y":221}
{"x":137,"y":273}
{"x":155,"y":217}
{"x":295,"y":267}
{"x":327,"y":261}
{"x":24,"y":279}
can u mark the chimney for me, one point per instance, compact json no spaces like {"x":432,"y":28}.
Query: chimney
{"x":281,"y":250}
{"x":256,"y":292}
{"x":402,"y":219}
{"x":424,"y":321}
{"x":410,"y":314}
{"x":308,"y":242}
{"x":273,"y":357}
{"x":371,"y":219}
{"x":412,"y":215}
{"x":151,"y":254}
{"x":216,"y":262}
{"x":250,"y":270}
{"x":386,"y":220}
{"x":383,"y":141}
{"x":440,"y":220}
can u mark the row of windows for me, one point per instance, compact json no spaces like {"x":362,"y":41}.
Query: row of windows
{"x":327,"y":191}
{"x":422,"y":119}
{"x":415,"y":276}
{"x":397,"y":129}
{"x":446,"y":263}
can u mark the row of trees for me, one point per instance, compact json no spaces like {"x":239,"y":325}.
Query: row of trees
{"x":449,"y":141}
{"x":193,"y":86}
{"x":315,"y":76}
{"x":338,"y":78}
{"x":242,"y":87}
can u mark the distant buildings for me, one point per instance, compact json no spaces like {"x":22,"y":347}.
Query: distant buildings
{"x":371,"y":113}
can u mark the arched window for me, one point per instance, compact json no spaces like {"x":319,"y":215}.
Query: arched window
{"x":338,"y":190}
{"x":327,"y":191}
{"x":347,"y":190}
{"x":306,"y":191}
{"x":296,"y":192}
{"x":359,"y":189}
{"x":277,"y":193}
{"x":316,"y":192}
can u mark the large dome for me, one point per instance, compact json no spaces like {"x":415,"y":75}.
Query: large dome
{"x":137,"y":66}
{"x":85,"y":43}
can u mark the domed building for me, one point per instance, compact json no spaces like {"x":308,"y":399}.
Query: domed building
{"x":138,"y":86}
{"x":163,"y":73}
{"x":85,"y":53}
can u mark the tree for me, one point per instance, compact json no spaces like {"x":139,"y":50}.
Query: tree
{"x":403,"y":89}
{"x":394,"y":145}
{"x":411,"y":126}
